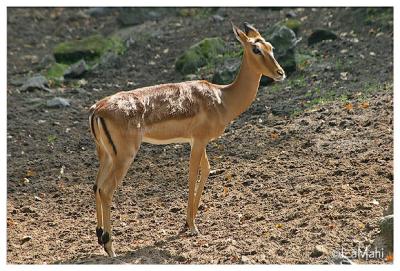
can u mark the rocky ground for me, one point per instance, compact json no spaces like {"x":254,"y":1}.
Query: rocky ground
{"x":306,"y":172}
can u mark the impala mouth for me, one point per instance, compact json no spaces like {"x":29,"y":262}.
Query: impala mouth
{"x":279,"y":78}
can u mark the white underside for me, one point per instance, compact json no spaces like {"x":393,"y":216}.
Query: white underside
{"x":166,"y":141}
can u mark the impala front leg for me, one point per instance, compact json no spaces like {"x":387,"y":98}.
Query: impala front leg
{"x":197,"y":151}
{"x":205,"y":171}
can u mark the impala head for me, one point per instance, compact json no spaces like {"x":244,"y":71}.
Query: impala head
{"x":259,"y":52}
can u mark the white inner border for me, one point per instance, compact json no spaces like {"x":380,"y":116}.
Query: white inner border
{"x":202,"y":3}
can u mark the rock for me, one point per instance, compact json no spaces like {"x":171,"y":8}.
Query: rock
{"x":110,"y":60}
{"x":216,"y":172}
{"x":175,"y":209}
{"x":199,"y":55}
{"x":90,"y":48}
{"x":25,"y":239}
{"x":218,"y":18}
{"x":291,"y":14}
{"x":389,"y":210}
{"x":139,"y":15}
{"x":28,"y":210}
{"x":386,"y":227}
{"x":17,"y":81}
{"x":340,"y":259}
{"x":36,"y":82}
{"x":76,"y":70}
{"x":58,"y":102}
{"x":99,"y":11}
{"x":318,"y":251}
{"x":227,"y":72}
{"x":248,"y":182}
{"x":284,"y":40}
{"x":319,"y":35}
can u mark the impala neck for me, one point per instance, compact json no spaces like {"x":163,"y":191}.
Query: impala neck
{"x":241,"y":93}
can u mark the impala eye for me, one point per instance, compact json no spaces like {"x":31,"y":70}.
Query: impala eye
{"x":256,"y":50}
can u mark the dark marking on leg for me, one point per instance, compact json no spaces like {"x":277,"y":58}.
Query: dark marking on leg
{"x":108,"y":134}
{"x":99,"y":233}
{"x":105,"y":238}
{"x":94,"y":188}
{"x":91,"y":125}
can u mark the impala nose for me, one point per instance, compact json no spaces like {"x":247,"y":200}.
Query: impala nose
{"x":280,"y":72}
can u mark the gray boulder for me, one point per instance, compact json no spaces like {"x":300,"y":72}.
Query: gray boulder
{"x":36,"y":82}
{"x":386,"y":227}
{"x":227,"y":72}
{"x":284,"y":41}
{"x":138,"y":15}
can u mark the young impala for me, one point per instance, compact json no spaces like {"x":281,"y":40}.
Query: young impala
{"x":194,"y":112}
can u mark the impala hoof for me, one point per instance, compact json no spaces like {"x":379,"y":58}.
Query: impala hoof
{"x":110,"y":252}
{"x":194,"y":231}
{"x":99,"y":233}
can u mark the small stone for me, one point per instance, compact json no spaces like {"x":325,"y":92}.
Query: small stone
{"x":375,"y":202}
{"x":28,"y":210}
{"x":215,"y":172}
{"x":217,"y":18}
{"x":25,"y":239}
{"x":38,"y":198}
{"x":318,"y":251}
{"x":248,"y":182}
{"x":175,"y":209}
{"x":58,"y":102}
{"x":246,"y":260}
{"x":291,"y":14}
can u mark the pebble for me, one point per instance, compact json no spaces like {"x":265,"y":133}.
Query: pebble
{"x":318,"y":251}
{"x":28,"y":209}
{"x":25,"y":239}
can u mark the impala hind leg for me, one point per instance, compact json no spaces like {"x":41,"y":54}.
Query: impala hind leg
{"x":120,"y":165}
{"x":105,"y":164}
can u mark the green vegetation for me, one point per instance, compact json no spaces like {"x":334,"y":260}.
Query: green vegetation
{"x":293,"y":24}
{"x":51,"y":139}
{"x":304,"y":60}
{"x":89,"y":49}
{"x":203,"y":53}
{"x":56,"y":71}
{"x":380,"y":15}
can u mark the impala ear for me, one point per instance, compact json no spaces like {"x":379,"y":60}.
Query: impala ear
{"x":240,"y":35}
{"x":250,"y":30}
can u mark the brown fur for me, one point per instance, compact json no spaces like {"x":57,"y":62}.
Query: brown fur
{"x":149,"y":105}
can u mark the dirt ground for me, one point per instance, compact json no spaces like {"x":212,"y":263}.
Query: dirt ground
{"x":292,"y":172}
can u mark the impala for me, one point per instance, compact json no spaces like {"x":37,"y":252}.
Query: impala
{"x":194,"y":112}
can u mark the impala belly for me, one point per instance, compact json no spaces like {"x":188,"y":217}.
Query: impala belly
{"x":168,"y":132}
{"x":166,"y":141}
